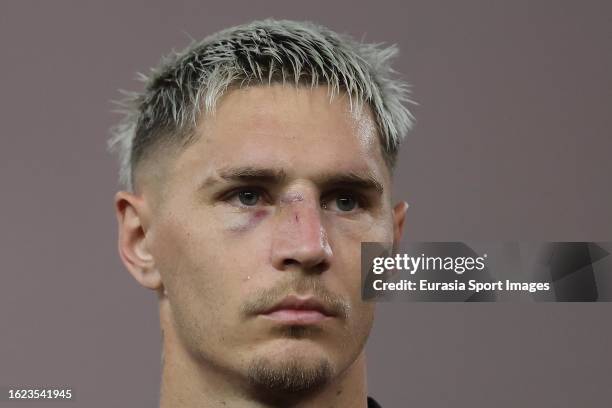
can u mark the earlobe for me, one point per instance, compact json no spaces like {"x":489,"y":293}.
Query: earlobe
{"x":132,"y":213}
{"x":399,"y":217}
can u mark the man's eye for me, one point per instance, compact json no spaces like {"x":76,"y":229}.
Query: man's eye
{"x":249,"y":197}
{"x":244,"y":197}
{"x":346,"y":203}
{"x":342,"y":203}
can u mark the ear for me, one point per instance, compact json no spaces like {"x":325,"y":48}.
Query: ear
{"x":132,"y":213}
{"x":399,"y":216}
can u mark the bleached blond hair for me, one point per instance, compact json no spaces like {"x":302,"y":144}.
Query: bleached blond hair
{"x":189,"y":82}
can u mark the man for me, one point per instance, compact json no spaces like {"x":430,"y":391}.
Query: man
{"x":255,"y":163}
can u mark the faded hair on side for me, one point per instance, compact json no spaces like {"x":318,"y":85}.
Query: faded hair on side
{"x":190,"y":82}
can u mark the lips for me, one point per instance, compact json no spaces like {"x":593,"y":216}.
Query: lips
{"x":298,"y":310}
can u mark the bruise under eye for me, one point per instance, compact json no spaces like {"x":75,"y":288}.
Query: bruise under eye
{"x":247,"y":222}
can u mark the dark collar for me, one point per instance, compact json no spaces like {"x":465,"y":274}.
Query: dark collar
{"x":372,"y":403}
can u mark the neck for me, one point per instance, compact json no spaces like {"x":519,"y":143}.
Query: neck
{"x":188,"y":383}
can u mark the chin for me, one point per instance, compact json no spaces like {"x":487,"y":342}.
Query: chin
{"x":295,"y":369}
{"x":295,"y":361}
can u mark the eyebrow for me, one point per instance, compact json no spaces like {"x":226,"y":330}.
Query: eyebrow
{"x":247,"y":173}
{"x":351,"y":179}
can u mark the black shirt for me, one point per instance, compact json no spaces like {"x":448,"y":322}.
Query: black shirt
{"x":372,"y":403}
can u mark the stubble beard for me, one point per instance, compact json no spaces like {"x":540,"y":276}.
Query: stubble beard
{"x":290,"y":378}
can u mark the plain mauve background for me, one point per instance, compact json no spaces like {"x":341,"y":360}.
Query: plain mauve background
{"x":513,"y":142}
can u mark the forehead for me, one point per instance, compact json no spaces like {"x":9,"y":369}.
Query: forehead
{"x":300,"y":130}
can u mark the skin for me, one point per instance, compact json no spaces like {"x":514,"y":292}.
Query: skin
{"x":218,"y":241}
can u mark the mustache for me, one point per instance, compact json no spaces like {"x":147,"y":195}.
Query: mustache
{"x":265,"y":299}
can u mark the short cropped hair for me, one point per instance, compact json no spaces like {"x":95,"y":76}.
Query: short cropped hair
{"x":191,"y":81}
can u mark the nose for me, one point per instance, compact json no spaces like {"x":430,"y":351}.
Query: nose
{"x":300,"y":239}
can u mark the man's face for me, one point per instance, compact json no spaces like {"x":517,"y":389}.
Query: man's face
{"x":272,"y":201}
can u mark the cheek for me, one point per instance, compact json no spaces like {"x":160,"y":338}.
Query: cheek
{"x":346,"y":239}
{"x":346,"y":236}
{"x":198,"y":271}
{"x":186,"y":255}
